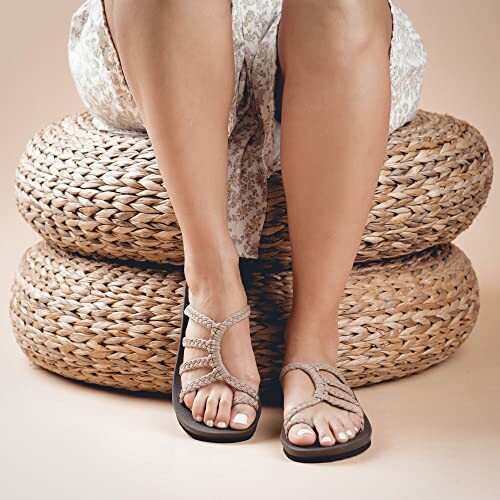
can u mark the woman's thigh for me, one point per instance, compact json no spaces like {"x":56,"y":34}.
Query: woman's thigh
{"x":97,"y":71}
{"x":407,"y":60}
{"x":101,"y":84}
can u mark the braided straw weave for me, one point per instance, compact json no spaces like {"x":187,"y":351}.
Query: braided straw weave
{"x":117,"y":325}
{"x":101,"y":193}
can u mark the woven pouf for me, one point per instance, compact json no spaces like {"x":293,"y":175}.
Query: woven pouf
{"x":101,"y":193}
{"x":116,"y":324}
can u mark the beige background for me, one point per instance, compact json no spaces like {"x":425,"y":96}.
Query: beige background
{"x":435,"y":434}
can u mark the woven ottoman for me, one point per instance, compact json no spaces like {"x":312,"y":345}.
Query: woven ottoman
{"x":109,"y":323}
{"x":99,"y":298}
{"x":99,"y":193}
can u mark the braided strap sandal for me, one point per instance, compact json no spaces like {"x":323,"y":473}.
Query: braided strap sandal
{"x":213,"y":359}
{"x":336,"y":392}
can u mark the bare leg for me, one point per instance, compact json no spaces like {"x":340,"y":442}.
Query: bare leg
{"x":177,"y":57}
{"x":335,"y":116}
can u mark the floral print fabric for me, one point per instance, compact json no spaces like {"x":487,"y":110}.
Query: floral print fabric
{"x":253,"y":131}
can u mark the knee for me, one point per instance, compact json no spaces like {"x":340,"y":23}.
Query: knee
{"x":324,"y":31}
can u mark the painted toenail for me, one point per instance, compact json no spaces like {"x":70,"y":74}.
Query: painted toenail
{"x":221,"y":425}
{"x":301,"y":432}
{"x":198,"y":418}
{"x":326,"y":439}
{"x":210,"y":423}
{"x":342,"y":435}
{"x":240,"y":418}
{"x":349,"y":432}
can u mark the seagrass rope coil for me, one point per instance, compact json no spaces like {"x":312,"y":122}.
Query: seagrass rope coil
{"x":101,"y":193}
{"x":110,"y":323}
{"x":99,"y":298}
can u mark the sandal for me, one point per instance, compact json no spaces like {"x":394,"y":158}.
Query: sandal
{"x":198,"y":430}
{"x":338,"y":394}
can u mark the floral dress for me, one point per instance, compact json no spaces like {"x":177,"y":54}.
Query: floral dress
{"x":253,"y":131}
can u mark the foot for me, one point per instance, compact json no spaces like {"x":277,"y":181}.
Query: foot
{"x":331,"y":424}
{"x":218,"y":297}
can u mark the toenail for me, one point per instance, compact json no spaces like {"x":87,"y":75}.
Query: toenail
{"x":221,"y":425}
{"x":210,"y":423}
{"x":301,"y":432}
{"x":326,"y":439}
{"x":240,"y":418}
{"x":349,"y":432}
{"x":356,"y":429}
{"x":198,"y":418}
{"x":342,"y":435}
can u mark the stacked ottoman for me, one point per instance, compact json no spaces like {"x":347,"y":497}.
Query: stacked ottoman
{"x":98,"y":299}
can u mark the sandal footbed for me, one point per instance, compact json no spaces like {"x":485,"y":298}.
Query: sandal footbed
{"x":317,"y":453}
{"x":199,"y":430}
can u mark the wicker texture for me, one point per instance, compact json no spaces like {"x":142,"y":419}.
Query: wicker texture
{"x":102,"y":193}
{"x":116,"y":324}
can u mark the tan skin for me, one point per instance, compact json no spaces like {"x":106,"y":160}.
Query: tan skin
{"x":334,"y":56}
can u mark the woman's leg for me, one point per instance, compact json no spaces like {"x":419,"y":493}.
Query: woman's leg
{"x":177,"y":57}
{"x":334,"y":56}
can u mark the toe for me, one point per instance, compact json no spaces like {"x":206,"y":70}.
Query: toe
{"x":211,"y":408}
{"x":198,"y":409}
{"x":189,"y":399}
{"x":348,"y":425}
{"x":242,"y":416}
{"x":224,"y":409}
{"x":302,"y":435}
{"x":356,"y":422}
{"x":338,"y":430}
{"x":325,"y":435}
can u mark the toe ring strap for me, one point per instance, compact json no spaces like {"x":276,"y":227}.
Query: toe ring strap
{"x":246,"y":399}
{"x":298,"y":419}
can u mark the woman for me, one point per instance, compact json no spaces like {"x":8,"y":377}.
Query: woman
{"x":221,"y":88}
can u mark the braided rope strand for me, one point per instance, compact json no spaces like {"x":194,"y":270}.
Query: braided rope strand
{"x":335,"y":392}
{"x":214,"y":359}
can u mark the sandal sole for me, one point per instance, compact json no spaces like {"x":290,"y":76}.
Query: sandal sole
{"x":202,"y":432}
{"x":339,"y":451}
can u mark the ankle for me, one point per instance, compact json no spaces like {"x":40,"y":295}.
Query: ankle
{"x":307,"y":353}
{"x":312,"y":339}
{"x":215,"y":284}
{"x":213,"y":278}
{"x":211,"y":266}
